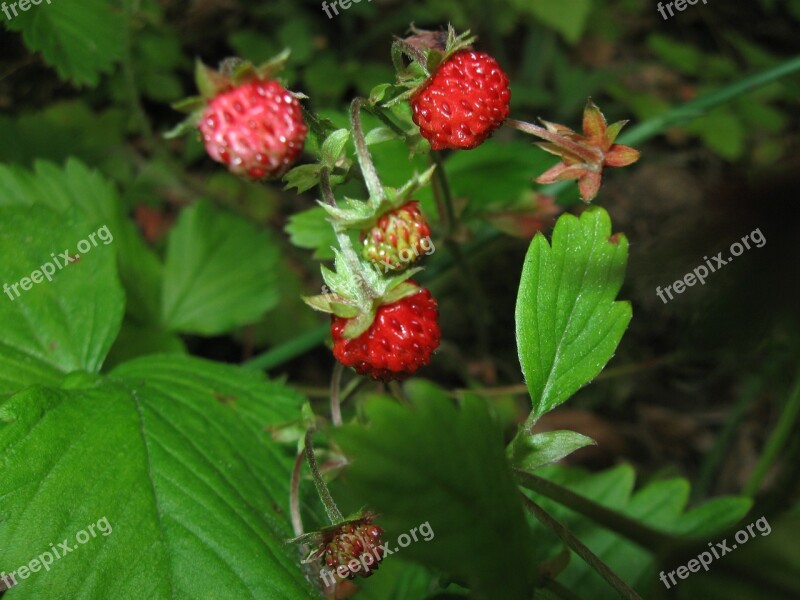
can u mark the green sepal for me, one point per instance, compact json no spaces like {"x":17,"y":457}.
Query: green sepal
{"x":425,"y":56}
{"x":354,"y":214}
{"x":189,"y":105}
{"x":358,"y":324}
{"x":210,"y":82}
{"x":403,"y":290}
{"x":188,"y":125}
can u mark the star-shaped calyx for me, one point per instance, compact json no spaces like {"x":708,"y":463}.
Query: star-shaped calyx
{"x":582,"y":156}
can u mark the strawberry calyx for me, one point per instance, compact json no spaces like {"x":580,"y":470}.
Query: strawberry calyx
{"x":427,"y":51}
{"x":356,"y":214}
{"x":232,"y":73}
{"x":356,"y":296}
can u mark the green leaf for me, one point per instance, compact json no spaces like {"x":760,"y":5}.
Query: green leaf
{"x":220,"y":272}
{"x":495,"y":175}
{"x":333,"y":147}
{"x":722,"y":131}
{"x":302,"y":178}
{"x":80,"y":39}
{"x":533,"y":451}
{"x":444,"y":465}
{"x":136,"y":340}
{"x":169,"y":460}
{"x":568,"y":323}
{"x":567,"y":17}
{"x":686,"y":58}
{"x":76,"y":186}
{"x":67,"y":320}
{"x":310,"y":229}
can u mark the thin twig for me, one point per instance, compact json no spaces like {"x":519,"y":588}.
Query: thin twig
{"x":336,"y":382}
{"x":294,"y":496}
{"x":334,"y":514}
{"x":577,"y":546}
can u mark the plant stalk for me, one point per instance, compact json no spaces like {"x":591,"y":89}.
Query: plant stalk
{"x":333,"y":512}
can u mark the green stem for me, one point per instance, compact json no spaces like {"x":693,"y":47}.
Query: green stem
{"x":647,"y":537}
{"x":378,"y":111}
{"x":577,"y":546}
{"x":376,"y":191}
{"x":444,"y":199}
{"x":317,"y":128}
{"x":334,"y":514}
{"x":336,"y":384}
{"x":783,"y":431}
{"x":294,"y":496}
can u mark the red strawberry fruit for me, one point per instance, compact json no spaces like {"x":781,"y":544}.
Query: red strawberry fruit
{"x":248,"y":121}
{"x":463,"y":101}
{"x":255,"y":129}
{"x":401,"y":338}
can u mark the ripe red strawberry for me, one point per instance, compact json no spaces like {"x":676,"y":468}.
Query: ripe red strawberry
{"x":398,"y":239}
{"x":256,"y":129}
{"x":463,"y":101}
{"x":401,"y":338}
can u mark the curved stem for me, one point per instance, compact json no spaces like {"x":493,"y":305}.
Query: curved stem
{"x":379,"y":113}
{"x":577,"y":546}
{"x":334,"y":514}
{"x":376,"y":192}
{"x":336,"y":383}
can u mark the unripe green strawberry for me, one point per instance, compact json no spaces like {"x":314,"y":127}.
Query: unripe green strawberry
{"x":398,"y":239}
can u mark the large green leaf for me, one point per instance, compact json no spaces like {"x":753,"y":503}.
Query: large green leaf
{"x":444,"y":465}
{"x":568,"y":324}
{"x":172,"y":453}
{"x":80,"y":39}
{"x":77,"y":186}
{"x":220,"y":272}
{"x":59,"y":324}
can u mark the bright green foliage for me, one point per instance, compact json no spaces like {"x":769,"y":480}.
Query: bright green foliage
{"x":80,"y":39}
{"x":172,"y":451}
{"x":568,"y":322}
{"x":55,"y":326}
{"x":443,"y":464}
{"x":220,"y":272}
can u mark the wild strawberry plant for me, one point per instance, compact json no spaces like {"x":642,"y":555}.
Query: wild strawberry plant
{"x":205,"y":470}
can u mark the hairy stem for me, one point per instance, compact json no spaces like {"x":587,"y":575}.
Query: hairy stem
{"x":646,"y":537}
{"x":371,"y":178}
{"x":336,"y":383}
{"x":334,"y":514}
{"x":294,"y":496}
{"x":577,"y":546}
